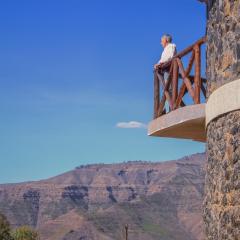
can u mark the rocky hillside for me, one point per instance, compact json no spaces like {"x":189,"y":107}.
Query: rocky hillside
{"x":94,"y":202}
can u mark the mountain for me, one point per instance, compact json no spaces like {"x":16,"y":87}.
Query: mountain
{"x":94,"y":202}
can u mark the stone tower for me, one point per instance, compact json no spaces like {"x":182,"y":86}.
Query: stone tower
{"x":222,"y":188}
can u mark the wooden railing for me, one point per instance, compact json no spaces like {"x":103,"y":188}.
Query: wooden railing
{"x":179,"y":81}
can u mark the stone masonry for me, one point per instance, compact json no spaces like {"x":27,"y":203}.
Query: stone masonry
{"x":222,"y":188}
{"x":223,"y":43}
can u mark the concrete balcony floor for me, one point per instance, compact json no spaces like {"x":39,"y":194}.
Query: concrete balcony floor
{"x":186,"y":123}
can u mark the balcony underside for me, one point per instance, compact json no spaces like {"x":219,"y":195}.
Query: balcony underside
{"x":186,"y":123}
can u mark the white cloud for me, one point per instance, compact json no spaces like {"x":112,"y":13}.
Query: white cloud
{"x":131,"y":124}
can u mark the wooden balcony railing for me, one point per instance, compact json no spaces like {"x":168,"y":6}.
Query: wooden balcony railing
{"x":179,"y":81}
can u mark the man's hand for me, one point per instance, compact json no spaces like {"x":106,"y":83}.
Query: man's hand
{"x":156,"y":66}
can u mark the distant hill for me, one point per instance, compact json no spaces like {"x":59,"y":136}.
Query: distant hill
{"x":157,"y":200}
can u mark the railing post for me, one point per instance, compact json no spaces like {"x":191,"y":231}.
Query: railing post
{"x":174,"y":83}
{"x":156,"y":94}
{"x":197,"y":75}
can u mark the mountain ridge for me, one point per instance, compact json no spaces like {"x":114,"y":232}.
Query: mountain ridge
{"x":101,"y":198}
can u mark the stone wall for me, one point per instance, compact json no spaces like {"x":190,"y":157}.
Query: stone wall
{"x":222,"y":200}
{"x":222,"y":188}
{"x":223,"y":44}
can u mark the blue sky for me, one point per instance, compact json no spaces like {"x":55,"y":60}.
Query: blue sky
{"x":71,"y":70}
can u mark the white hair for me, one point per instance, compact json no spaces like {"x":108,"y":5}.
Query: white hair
{"x":168,"y":37}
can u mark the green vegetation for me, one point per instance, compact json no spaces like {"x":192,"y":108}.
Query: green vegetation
{"x":25,"y":233}
{"x":155,"y":229}
{"x":21,"y":233}
{"x":5,"y":230}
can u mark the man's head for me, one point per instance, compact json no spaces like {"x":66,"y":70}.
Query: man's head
{"x":166,"y":39}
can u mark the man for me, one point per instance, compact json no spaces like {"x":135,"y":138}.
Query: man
{"x":169,"y":50}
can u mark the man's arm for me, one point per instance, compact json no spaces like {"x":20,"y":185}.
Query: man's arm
{"x":168,"y":53}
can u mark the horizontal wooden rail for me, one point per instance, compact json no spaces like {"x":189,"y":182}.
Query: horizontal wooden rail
{"x":179,"y":81}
